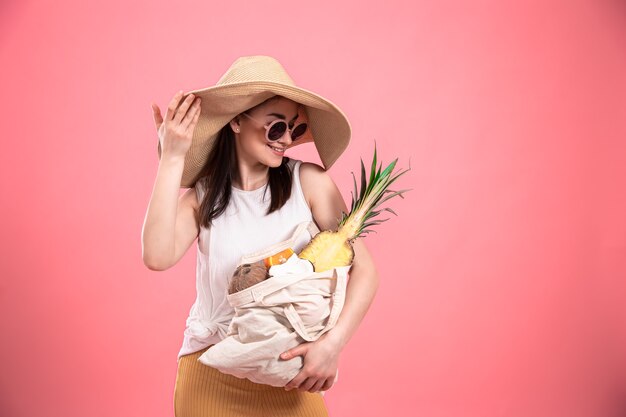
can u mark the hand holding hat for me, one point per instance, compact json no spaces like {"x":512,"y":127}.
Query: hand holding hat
{"x":176,"y":132}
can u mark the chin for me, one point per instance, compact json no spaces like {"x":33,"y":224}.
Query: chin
{"x":276,"y":162}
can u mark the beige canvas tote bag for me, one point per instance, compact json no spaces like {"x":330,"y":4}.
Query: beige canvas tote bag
{"x":276,"y":315}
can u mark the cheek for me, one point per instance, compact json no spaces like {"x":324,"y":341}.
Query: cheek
{"x":253,"y":143}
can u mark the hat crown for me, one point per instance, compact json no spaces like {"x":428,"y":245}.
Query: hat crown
{"x":256,"y":68}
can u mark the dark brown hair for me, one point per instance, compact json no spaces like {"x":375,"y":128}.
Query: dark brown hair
{"x":216,"y":178}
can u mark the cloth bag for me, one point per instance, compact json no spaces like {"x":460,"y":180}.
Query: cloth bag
{"x":276,"y":315}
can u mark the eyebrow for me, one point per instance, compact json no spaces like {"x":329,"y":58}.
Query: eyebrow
{"x":282,"y":116}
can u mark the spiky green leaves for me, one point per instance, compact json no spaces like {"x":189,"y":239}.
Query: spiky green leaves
{"x":372,"y":194}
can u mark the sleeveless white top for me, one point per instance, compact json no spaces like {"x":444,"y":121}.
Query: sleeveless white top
{"x":242,"y":229}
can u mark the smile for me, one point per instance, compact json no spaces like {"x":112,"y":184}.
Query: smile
{"x":277,"y":150}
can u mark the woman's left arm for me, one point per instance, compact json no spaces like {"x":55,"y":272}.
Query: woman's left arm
{"x":322,"y":356}
{"x":360,"y":292}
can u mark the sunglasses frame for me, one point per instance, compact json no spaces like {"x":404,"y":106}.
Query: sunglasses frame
{"x":268,"y":127}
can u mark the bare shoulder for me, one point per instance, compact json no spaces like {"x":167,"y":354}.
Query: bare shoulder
{"x":315,"y":181}
{"x":322,"y":195}
{"x":310,"y":178}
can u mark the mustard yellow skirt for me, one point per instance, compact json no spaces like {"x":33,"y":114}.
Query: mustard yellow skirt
{"x":203,"y":391}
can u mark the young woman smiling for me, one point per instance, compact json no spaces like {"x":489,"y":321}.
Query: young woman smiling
{"x":228,"y":144}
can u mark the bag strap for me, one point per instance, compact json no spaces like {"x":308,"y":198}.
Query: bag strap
{"x":306,"y":226}
{"x":338,"y":299}
{"x":262,"y":289}
{"x":269,"y":286}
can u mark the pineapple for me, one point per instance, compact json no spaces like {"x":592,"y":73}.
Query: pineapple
{"x":329,"y":249}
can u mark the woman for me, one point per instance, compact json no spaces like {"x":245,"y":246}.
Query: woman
{"x":227,"y":144}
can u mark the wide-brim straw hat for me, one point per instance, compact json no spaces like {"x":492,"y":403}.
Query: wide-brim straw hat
{"x":249,"y":81}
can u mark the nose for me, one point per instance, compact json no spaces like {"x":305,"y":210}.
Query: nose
{"x":286,"y":138}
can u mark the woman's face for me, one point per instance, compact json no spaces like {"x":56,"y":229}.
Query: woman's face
{"x":251,"y":141}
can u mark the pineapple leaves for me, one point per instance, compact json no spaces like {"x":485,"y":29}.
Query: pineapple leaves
{"x":363,"y":181}
{"x":375,"y":222}
{"x":392,"y":195}
{"x":356,"y":193}
{"x":367,"y":231}
{"x":373,"y":170}
{"x":368,"y":195}
{"x":390,"y":210}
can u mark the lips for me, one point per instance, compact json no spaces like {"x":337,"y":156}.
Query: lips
{"x":277,"y":150}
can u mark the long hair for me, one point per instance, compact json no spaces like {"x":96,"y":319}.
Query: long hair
{"x":216,"y":178}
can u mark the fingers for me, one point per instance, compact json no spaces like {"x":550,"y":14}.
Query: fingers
{"x":173,"y":105}
{"x":297,"y":351}
{"x":185,"y":113}
{"x":327,"y":384}
{"x":192,"y":116}
{"x":295,"y":382}
{"x":156,"y":115}
{"x":318,"y":385}
{"x":182,"y":109}
{"x":308,"y":384}
{"x":308,"y":380}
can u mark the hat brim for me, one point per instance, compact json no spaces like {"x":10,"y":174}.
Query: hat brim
{"x":329,"y":128}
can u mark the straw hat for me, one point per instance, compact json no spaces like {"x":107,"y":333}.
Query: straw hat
{"x":249,"y":81}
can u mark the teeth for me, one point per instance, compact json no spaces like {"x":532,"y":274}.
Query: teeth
{"x":276,"y":149}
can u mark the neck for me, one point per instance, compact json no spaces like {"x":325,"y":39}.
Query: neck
{"x":251,"y":177}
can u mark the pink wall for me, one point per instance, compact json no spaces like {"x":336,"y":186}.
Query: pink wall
{"x":502,"y":279}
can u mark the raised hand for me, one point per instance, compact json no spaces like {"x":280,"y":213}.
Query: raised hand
{"x":176,"y":130}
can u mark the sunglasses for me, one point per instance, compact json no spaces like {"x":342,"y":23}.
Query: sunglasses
{"x":277,"y":129}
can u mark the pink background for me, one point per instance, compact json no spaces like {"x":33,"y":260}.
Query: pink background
{"x":502,"y":278}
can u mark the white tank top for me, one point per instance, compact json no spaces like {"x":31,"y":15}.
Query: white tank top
{"x":242,"y":229}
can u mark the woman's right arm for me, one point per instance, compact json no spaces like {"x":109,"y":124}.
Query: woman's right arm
{"x":170,"y":225}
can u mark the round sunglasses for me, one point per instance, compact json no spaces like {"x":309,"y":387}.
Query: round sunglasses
{"x":277,"y":128}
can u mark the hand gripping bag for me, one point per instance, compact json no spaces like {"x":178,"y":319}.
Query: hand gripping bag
{"x":276,"y":315}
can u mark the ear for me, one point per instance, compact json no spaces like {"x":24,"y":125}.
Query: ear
{"x":235,"y":125}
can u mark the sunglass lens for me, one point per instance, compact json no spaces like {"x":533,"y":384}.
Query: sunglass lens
{"x":277,"y":131}
{"x":298,"y":131}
